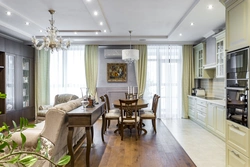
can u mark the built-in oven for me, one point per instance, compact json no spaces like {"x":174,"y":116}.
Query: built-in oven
{"x":237,"y":84}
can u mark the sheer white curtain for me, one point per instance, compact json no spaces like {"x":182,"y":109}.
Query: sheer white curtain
{"x":67,"y":71}
{"x":164,"y":78}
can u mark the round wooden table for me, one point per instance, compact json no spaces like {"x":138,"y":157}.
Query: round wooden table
{"x":141,"y":104}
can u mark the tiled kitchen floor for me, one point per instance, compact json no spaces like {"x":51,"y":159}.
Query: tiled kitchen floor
{"x":204,"y":148}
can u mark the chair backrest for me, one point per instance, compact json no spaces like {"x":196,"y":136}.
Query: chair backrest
{"x":155,"y":103}
{"x":128,"y":109}
{"x":103,"y":100}
{"x":107,"y":102}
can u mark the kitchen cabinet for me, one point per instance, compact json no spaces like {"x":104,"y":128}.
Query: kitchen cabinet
{"x":237,"y":145}
{"x":235,"y":158}
{"x":211,"y":117}
{"x":220,"y":54}
{"x":237,"y":24}
{"x":200,"y":61}
{"x":209,"y":114}
{"x":192,"y":107}
{"x":220,"y":121}
{"x":238,"y":137}
{"x":201,"y":107}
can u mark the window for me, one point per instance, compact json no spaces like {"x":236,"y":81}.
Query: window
{"x":164,"y":78}
{"x":67,"y":71}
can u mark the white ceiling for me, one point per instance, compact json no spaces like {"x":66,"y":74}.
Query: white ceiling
{"x":151,"y":21}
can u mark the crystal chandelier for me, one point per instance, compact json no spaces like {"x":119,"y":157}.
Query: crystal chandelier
{"x":51,"y":41}
{"x":130,"y":55}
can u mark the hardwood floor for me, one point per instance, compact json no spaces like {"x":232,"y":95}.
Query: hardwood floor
{"x":150,"y":150}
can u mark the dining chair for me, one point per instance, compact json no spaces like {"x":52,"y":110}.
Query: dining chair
{"x":128,"y":117}
{"x":109,"y":115}
{"x":150,"y":114}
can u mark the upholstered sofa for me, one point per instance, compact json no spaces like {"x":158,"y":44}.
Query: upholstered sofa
{"x":53,"y":132}
{"x":59,"y":98}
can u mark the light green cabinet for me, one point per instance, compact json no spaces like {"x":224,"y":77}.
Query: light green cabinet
{"x":200,"y":61}
{"x":237,"y":24}
{"x":220,"y":54}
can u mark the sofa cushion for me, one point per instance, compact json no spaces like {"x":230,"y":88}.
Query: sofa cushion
{"x":69,"y":106}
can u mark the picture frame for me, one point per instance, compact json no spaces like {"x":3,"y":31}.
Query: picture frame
{"x":116,"y":72}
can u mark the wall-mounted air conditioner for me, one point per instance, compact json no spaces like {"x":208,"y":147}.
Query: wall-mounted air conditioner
{"x":113,"y":53}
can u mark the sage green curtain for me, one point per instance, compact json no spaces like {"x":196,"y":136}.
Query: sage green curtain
{"x":42,"y":78}
{"x":187,"y":77}
{"x":141,"y":69}
{"x":91,"y":67}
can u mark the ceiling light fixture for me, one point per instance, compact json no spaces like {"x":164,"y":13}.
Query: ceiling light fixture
{"x":130,"y":55}
{"x":95,"y":13}
{"x":210,"y":7}
{"x":191,"y":23}
{"x":27,"y":23}
{"x":51,"y":41}
{"x":8,"y":13}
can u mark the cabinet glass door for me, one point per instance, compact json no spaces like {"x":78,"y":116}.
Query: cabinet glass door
{"x":220,"y":58}
{"x":26,"y":83}
{"x":10,"y":80}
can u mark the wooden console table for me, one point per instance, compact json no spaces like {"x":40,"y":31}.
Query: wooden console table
{"x":81,"y":118}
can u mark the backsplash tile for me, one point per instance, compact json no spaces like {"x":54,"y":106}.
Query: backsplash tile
{"x":214,"y":87}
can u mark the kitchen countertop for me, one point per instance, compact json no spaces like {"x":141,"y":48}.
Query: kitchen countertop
{"x":215,"y":100}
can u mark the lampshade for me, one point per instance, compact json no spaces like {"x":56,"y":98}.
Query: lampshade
{"x":130,"y":55}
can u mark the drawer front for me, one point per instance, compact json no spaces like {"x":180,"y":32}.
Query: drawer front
{"x":202,"y":103}
{"x":238,"y":137}
{"x":235,"y":158}
{"x":192,"y":101}
{"x":191,"y":112}
{"x":201,"y":108}
{"x":201,"y":117}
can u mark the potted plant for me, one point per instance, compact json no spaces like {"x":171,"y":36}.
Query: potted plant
{"x":10,"y":152}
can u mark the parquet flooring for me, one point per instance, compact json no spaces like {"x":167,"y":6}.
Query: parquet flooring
{"x":150,"y":150}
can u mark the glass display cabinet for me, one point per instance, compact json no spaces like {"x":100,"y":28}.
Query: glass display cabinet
{"x":26,"y":83}
{"x":10,"y":82}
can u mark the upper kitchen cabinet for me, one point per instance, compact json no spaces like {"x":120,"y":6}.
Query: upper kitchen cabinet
{"x":220,"y":54}
{"x":237,"y":24}
{"x":200,"y":60}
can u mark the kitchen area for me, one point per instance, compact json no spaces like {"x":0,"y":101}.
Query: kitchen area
{"x":219,"y":99}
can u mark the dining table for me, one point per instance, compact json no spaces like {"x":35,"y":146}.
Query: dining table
{"x":142,"y":103}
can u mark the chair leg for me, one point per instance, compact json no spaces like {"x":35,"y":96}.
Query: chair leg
{"x":154,"y":124}
{"x":136,"y":135}
{"x":121,"y":131}
{"x":108,"y":123}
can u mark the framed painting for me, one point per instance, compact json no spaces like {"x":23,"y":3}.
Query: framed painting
{"x":116,"y":72}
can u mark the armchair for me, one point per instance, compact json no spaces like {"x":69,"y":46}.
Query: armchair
{"x":59,"y":98}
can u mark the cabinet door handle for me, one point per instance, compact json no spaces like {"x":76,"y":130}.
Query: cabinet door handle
{"x":235,"y":154}
{"x":236,"y":127}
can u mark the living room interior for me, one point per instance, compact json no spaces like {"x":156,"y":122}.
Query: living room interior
{"x":53,"y":54}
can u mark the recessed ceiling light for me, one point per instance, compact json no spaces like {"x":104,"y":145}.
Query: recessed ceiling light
{"x":101,"y":23}
{"x":95,"y":13}
{"x":27,"y":23}
{"x":104,"y":30}
{"x":180,"y":34}
{"x":88,"y":0}
{"x":210,"y":6}
{"x":41,"y":31}
{"x":191,"y":23}
{"x":96,"y":33}
{"x":8,"y":13}
{"x":75,"y":33}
